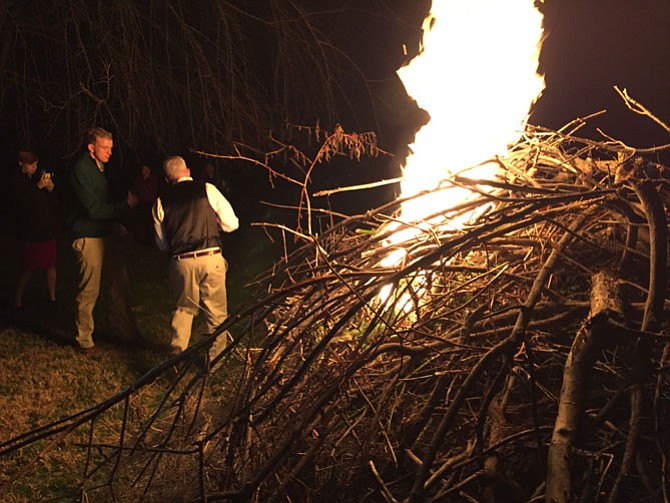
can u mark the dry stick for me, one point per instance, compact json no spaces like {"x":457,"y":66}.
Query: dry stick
{"x":506,"y":346}
{"x":376,"y":419}
{"x":605,"y":302}
{"x":331,"y":142}
{"x":251,"y":160}
{"x":350,"y":188}
{"x":533,"y":384}
{"x":664,"y":366}
{"x":439,"y":497}
{"x":633,"y":220}
{"x":417,"y":426}
{"x":652,"y":321}
{"x":120,"y":447}
{"x":202,"y":484}
{"x":381,"y":236}
{"x":379,"y":211}
{"x":157,"y":455}
{"x":344,"y":224}
{"x":638,"y":108}
{"x":305,"y":460}
{"x":491,"y":462}
{"x":414,"y":430}
{"x":328,"y":212}
{"x":465,"y":457}
{"x":388,"y":496}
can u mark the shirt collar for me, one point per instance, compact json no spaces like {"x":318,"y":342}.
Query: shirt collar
{"x":101,"y":166}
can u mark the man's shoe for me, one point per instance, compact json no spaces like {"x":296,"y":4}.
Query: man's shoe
{"x":92,"y":351}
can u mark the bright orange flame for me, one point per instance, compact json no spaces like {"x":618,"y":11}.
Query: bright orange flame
{"x":477,"y":78}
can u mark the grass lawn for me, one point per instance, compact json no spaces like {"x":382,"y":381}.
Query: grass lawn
{"x":44,"y":378}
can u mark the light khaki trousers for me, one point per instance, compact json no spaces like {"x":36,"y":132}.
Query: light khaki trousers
{"x":198,"y":283}
{"x":98,"y":258}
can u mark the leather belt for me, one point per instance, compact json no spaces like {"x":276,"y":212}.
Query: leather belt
{"x":197,"y":253}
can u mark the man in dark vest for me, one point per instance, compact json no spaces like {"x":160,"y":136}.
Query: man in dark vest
{"x":187,"y":221}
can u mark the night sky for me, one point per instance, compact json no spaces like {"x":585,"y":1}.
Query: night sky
{"x":594,"y":45}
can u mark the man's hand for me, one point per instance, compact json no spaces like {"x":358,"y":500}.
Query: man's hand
{"x":132,"y":199}
{"x":45,"y":182}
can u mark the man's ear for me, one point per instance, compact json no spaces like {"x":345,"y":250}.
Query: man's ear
{"x":91,"y":148}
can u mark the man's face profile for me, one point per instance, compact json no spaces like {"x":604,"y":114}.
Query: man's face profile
{"x":101,"y":150}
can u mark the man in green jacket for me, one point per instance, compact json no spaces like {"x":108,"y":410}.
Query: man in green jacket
{"x":94,"y":236}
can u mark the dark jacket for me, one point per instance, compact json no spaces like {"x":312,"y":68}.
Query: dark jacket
{"x":36,"y":210}
{"x":90,"y":212}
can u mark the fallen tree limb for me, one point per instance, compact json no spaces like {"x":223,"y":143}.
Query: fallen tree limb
{"x":589,"y":340}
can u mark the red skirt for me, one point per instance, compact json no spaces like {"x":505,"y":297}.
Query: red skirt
{"x":38,"y":254}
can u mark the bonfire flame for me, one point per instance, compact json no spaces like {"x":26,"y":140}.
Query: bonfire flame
{"x":477,"y":77}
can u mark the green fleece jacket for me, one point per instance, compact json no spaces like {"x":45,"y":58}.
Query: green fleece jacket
{"x":91,"y":213}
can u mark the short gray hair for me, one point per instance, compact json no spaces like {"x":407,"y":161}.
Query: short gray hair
{"x":174,"y":167}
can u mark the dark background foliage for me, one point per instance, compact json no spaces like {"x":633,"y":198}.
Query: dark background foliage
{"x":168,"y":76}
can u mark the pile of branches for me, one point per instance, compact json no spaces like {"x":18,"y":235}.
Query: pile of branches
{"x":521,"y":357}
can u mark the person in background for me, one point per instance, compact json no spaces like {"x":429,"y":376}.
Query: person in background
{"x":35,"y":212}
{"x":211,"y":174}
{"x":145,"y":187}
{"x":95,"y":236}
{"x":188,"y":218}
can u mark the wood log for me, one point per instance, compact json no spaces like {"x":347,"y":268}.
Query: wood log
{"x":606,"y":304}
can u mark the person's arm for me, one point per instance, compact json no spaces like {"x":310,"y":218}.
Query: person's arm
{"x":83,"y":185}
{"x":228,"y":221}
{"x":159,"y":230}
